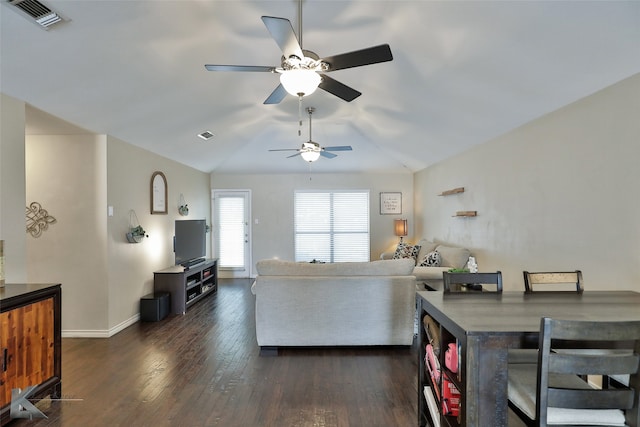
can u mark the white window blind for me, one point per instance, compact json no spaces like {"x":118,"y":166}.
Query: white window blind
{"x":231,"y":235}
{"x":332,"y":226}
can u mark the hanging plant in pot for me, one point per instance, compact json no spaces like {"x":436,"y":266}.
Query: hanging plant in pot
{"x":183,"y":209}
{"x":136,"y":234}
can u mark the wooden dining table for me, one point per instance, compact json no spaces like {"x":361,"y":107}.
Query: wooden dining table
{"x":487,"y":325}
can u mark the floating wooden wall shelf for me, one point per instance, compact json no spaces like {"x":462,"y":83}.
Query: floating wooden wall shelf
{"x":466,"y":213}
{"x":450,"y":192}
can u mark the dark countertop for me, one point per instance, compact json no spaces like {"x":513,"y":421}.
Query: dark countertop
{"x":17,"y":290}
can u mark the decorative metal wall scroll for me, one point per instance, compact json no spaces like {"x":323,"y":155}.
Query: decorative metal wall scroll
{"x":38,"y":219}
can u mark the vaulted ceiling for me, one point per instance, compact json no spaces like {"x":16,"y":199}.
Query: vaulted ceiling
{"x":463,"y":72}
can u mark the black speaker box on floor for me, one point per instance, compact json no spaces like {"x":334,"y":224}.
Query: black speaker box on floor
{"x":155,"y":306}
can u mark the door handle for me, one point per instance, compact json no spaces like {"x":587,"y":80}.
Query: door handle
{"x":4,"y":360}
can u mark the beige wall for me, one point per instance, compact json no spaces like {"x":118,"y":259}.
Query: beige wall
{"x":131,"y":265}
{"x":12,"y":189}
{"x":75,"y":178}
{"x":559,"y":193}
{"x":66,"y":174}
{"x":272,"y":206}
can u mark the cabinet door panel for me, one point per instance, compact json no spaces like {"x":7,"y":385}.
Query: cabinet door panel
{"x":27,"y":337}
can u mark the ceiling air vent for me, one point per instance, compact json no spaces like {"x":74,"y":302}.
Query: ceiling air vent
{"x":206,"y":135}
{"x":37,"y":11}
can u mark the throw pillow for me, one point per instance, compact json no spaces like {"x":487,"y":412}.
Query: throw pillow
{"x":405,"y":250}
{"x":432,"y":259}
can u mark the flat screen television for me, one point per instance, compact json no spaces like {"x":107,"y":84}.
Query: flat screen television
{"x":190,"y":241}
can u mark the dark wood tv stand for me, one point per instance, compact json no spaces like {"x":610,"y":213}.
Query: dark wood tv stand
{"x":187,"y":286}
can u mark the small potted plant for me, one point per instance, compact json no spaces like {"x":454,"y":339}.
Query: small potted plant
{"x":136,"y":234}
{"x":470,"y":286}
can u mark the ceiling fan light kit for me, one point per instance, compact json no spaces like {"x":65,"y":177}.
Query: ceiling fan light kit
{"x":310,"y":155}
{"x":300,"y":82}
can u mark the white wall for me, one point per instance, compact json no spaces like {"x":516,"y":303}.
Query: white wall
{"x":559,"y":193}
{"x":12,"y":189}
{"x":272,"y":206}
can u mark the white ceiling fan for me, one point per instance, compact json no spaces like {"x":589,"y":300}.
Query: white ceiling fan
{"x":310,"y":150}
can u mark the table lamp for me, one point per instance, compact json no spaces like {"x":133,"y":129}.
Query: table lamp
{"x":400,"y":228}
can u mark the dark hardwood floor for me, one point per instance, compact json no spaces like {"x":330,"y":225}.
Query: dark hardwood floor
{"x":204,"y":369}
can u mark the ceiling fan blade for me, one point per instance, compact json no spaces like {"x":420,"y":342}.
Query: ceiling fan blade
{"x":358,"y":58}
{"x":276,"y":96}
{"x":285,"y":149}
{"x":282,"y":32}
{"x":328,"y":155}
{"x":338,"y":148}
{"x":293,"y":155}
{"x":259,"y":68}
{"x":338,"y":89}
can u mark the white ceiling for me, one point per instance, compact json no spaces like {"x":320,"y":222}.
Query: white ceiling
{"x":463,"y":73}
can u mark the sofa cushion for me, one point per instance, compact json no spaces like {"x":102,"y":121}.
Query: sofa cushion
{"x":432,"y":259}
{"x":276,"y":267}
{"x":406,"y":250}
{"x":425,"y":247}
{"x":453,"y":257}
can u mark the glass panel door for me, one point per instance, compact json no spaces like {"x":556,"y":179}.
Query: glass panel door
{"x":231,"y":238}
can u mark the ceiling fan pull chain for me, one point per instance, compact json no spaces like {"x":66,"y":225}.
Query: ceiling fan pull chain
{"x":299,"y":115}
{"x":310,"y":110}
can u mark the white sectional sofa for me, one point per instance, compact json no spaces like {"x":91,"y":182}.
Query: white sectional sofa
{"x":450,"y":257}
{"x":334,"y":304}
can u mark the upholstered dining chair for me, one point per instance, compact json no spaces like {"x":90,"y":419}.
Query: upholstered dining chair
{"x":552,"y":392}
{"x":473,"y":282}
{"x":556,"y":280}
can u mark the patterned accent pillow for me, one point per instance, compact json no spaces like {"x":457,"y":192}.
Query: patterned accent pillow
{"x":432,"y":259}
{"x":405,"y":250}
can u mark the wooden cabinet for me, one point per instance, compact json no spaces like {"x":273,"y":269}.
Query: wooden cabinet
{"x":30,"y":342}
{"x":187,"y":285}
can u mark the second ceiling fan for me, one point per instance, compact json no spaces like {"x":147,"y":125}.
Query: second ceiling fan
{"x":302,"y":71}
{"x":310,"y":150}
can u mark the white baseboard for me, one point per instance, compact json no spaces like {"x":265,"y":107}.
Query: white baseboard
{"x":98,"y":333}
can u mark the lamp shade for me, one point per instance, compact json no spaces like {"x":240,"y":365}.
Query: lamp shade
{"x":300,"y":81}
{"x":400,"y":227}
